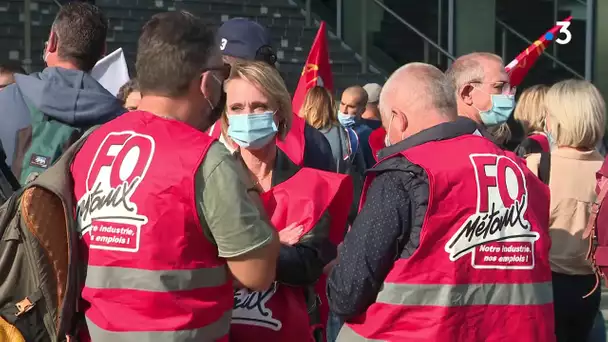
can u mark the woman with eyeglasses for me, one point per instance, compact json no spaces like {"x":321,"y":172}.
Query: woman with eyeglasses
{"x":308,"y":207}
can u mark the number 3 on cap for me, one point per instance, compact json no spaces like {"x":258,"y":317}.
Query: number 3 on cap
{"x":564,"y":29}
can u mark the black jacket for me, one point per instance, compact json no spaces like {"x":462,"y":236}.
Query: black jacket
{"x":389,"y":224}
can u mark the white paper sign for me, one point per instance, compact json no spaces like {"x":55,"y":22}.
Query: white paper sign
{"x":111,"y":71}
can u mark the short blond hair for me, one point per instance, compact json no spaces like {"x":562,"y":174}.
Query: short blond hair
{"x":530,"y":110}
{"x":318,"y":108}
{"x":268,"y":80}
{"x":576,"y":114}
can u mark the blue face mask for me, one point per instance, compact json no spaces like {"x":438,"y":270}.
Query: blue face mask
{"x":502,"y":107}
{"x":252,"y":131}
{"x":346,"y":120}
{"x":549,"y":137}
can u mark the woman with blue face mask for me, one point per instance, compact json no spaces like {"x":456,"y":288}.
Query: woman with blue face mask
{"x":308,"y":208}
{"x":575,"y":121}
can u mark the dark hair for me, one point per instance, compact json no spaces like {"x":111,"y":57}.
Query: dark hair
{"x":127,"y":89}
{"x":174,"y":47}
{"x":11,"y":67}
{"x":81,"y":30}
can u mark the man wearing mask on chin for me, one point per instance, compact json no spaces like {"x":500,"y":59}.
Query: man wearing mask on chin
{"x":184,"y":195}
{"x":352,"y":104}
{"x":483,"y":92}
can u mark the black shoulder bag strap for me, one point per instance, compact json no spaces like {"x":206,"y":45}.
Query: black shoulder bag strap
{"x":544,"y":167}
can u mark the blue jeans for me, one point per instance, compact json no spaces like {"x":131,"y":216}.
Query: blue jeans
{"x":334,"y":324}
{"x":598,"y":332}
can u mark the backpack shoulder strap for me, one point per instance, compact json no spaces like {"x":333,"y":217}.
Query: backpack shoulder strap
{"x":58,"y":180}
{"x":544,"y":167}
{"x":595,"y":210}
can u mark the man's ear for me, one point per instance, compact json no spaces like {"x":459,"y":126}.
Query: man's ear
{"x":52,"y":43}
{"x":465,"y":94}
{"x":206,"y":85}
{"x":400,"y":120}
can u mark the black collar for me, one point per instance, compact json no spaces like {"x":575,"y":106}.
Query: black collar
{"x":284,"y":168}
{"x":448,"y":130}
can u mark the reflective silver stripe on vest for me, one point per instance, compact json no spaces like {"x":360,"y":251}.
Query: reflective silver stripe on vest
{"x":349,"y":335}
{"x":466,"y":294}
{"x":455,"y":295}
{"x":159,"y":281}
{"x":209,"y":333}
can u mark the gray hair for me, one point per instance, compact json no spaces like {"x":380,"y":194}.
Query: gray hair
{"x":434,"y":87}
{"x":467,"y":69}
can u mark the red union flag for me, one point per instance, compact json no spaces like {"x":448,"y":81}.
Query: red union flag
{"x":316,"y":71}
{"x":519,"y":67}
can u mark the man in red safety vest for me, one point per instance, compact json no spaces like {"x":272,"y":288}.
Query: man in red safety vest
{"x":164,"y":213}
{"x":451,"y":242}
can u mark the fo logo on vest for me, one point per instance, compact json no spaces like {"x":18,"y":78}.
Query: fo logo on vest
{"x":106,"y":211}
{"x":497,"y":235}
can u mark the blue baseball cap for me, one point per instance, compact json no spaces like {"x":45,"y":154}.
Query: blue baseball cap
{"x":242,"y":38}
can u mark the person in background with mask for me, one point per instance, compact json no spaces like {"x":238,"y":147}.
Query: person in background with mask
{"x":243,"y":40}
{"x":574,"y":123}
{"x":483,"y":92}
{"x":371,"y":115}
{"x":64,"y":91}
{"x":308,"y":207}
{"x":419,"y":263}
{"x":352,"y":104}
{"x":185,"y":224}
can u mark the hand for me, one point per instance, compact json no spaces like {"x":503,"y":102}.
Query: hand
{"x":291,"y":234}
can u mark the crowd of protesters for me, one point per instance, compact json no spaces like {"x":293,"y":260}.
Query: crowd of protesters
{"x":467,"y":224}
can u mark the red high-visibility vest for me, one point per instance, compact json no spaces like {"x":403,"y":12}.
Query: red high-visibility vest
{"x":151,"y":274}
{"x":481,"y":271}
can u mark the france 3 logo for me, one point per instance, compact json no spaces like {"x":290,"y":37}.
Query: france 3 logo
{"x":563,"y":28}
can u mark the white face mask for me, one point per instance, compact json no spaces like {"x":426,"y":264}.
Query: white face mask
{"x":387,"y":140}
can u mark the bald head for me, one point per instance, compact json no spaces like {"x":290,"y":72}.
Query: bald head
{"x":418,"y":88}
{"x":417,"y":96}
{"x":353,"y":101}
{"x":484,"y":71}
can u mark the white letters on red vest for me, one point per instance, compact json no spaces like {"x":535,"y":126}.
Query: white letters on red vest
{"x":497,"y":235}
{"x":106,"y":211}
{"x":250,"y":309}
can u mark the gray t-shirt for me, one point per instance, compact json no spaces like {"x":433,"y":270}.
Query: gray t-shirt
{"x":230,"y":217}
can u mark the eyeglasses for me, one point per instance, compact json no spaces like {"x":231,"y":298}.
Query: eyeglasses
{"x":223,"y":70}
{"x":504,"y":87}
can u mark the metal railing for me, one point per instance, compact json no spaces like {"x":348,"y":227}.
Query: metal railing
{"x":428,"y":42}
{"x":506,"y":28}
